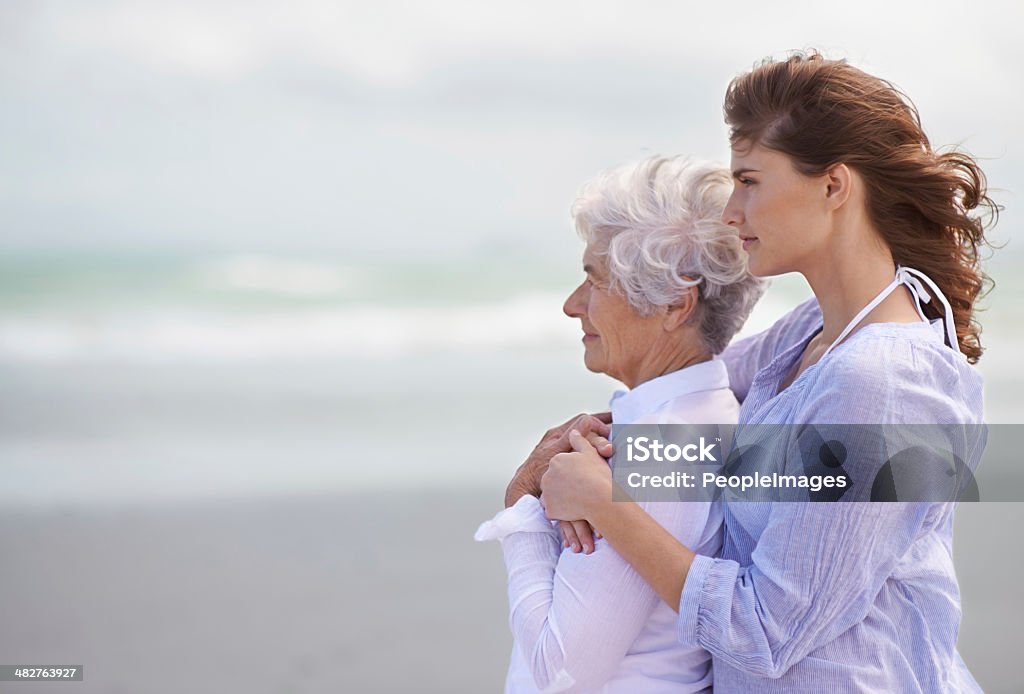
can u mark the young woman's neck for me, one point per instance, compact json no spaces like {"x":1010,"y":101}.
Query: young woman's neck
{"x":848,"y":274}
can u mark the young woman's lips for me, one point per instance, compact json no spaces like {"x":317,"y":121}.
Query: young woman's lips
{"x":748,"y":241}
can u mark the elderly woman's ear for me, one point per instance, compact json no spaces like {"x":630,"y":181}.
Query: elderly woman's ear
{"x":680,"y":312}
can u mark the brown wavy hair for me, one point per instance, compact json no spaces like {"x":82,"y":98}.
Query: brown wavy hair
{"x":825,"y":112}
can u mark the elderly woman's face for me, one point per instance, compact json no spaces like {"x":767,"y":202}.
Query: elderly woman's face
{"x":616,"y":339}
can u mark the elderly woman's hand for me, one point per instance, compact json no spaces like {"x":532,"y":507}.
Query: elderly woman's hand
{"x":555,"y":441}
{"x":575,"y":483}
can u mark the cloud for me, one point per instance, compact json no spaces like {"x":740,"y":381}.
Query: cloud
{"x":260,"y":124}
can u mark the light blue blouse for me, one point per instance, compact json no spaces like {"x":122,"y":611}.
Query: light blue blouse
{"x":837,"y":597}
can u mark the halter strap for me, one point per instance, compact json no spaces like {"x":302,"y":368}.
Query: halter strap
{"x":913,"y":280}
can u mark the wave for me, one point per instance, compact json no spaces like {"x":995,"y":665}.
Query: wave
{"x":267,"y":274}
{"x":189,"y":333}
{"x":366,"y":331}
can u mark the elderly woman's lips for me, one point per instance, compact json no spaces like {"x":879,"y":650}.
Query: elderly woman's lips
{"x":589,"y":336}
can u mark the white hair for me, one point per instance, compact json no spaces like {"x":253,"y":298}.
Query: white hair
{"x":658,"y":223}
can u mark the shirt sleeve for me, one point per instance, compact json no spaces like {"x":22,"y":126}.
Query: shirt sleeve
{"x":814,"y":574}
{"x":817,"y":567}
{"x":744,"y":358}
{"x":574,"y":616}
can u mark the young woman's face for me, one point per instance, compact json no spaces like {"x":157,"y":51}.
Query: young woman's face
{"x":779,"y":212}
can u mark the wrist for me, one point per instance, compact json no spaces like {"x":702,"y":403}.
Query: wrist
{"x":600,"y":512}
{"x":610,"y":511}
{"x":515,"y":492}
{"x":601,"y":498}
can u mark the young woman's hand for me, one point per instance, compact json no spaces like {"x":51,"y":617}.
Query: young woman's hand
{"x":579,"y":535}
{"x":576,"y":483}
{"x":555,"y":441}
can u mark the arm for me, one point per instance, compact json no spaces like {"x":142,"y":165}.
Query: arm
{"x":744,"y":358}
{"x":526,"y":481}
{"x":815,"y":572}
{"x":817,"y":568}
{"x":575,"y":616}
{"x":794,"y":598}
{"x":579,"y":485}
{"x":555,"y":440}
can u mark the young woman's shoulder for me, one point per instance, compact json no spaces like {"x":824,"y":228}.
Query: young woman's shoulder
{"x":745,"y":357}
{"x":892,"y":373}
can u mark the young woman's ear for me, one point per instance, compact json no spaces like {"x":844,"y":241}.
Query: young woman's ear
{"x":839,"y":182}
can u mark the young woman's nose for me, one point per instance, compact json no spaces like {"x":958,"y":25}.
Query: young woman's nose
{"x":733,"y":212}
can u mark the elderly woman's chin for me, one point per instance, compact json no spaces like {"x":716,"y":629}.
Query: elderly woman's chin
{"x":593,"y":357}
{"x":597,"y":361}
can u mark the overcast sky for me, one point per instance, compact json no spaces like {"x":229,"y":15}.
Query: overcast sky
{"x":423,"y":127}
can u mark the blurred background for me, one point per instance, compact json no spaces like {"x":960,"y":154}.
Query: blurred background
{"x":280,"y":310}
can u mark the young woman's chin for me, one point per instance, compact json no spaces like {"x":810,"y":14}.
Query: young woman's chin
{"x":764,"y":266}
{"x":760,"y":267}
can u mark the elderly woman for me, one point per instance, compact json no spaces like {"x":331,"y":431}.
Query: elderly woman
{"x":666,"y":288}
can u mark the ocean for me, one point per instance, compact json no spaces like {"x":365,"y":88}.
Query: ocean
{"x":276,"y":463}
{"x":136,"y":379}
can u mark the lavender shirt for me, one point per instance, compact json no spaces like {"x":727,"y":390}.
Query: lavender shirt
{"x":844,"y":597}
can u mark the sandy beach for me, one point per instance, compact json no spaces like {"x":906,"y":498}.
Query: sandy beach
{"x":331,"y":593}
{"x":292,"y":595}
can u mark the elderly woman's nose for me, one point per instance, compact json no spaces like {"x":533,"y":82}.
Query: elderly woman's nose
{"x":574,"y":305}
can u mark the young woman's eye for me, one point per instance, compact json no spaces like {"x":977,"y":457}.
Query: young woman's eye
{"x":746,"y":182}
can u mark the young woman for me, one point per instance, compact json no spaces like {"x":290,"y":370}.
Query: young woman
{"x":835,"y":179}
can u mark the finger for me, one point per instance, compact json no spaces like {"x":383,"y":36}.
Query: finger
{"x":572,"y":540}
{"x":586,"y":424}
{"x":559,"y":459}
{"x":569,"y":423}
{"x":603,"y":445}
{"x":591,"y":423}
{"x":585,"y":536}
{"x":560,"y":444}
{"x":606,"y":419}
{"x":559,"y":431}
{"x":579,"y":443}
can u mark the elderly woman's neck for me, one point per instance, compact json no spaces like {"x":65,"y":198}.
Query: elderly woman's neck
{"x":665,"y":359}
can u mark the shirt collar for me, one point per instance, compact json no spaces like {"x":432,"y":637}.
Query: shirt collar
{"x":629,"y":405}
